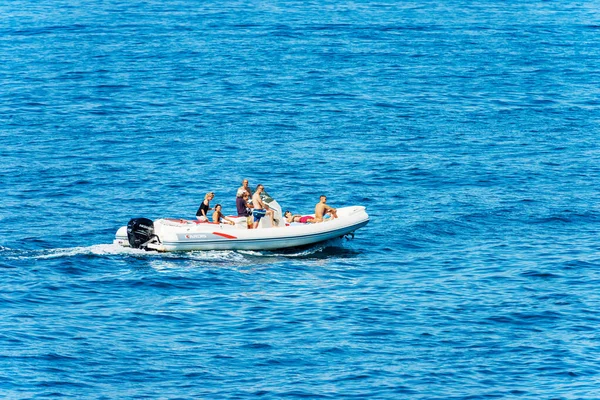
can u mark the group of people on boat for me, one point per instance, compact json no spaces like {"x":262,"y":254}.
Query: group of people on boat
{"x":256,"y":209}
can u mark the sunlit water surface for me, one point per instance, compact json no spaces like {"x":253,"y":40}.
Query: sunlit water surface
{"x":469,"y":130}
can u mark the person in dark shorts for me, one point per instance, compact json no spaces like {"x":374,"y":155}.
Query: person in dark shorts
{"x":260,"y":208}
{"x":258,"y":215}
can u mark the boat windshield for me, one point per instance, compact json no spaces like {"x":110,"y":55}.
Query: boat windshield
{"x":274,"y":205}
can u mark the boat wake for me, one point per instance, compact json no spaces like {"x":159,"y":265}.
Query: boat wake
{"x":95,"y":250}
{"x":331,"y":248}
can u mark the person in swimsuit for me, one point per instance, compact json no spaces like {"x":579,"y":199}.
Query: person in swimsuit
{"x":202,"y":213}
{"x":218,"y":216}
{"x":307,"y":219}
{"x":260,"y":208}
{"x":322,"y":208}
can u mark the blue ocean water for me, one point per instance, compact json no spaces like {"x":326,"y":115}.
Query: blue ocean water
{"x":468,"y":129}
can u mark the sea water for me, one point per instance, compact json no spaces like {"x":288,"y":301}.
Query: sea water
{"x":468,"y":129}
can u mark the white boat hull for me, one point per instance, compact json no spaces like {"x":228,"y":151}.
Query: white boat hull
{"x":184,"y":235}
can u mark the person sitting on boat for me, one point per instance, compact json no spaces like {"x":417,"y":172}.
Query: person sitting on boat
{"x":218,"y":216}
{"x":243,"y":208}
{"x":260,"y":208}
{"x":202,"y":213}
{"x":307,"y":219}
{"x":322,"y":208}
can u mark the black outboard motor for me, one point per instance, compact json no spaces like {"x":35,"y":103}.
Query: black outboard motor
{"x":139,"y":232}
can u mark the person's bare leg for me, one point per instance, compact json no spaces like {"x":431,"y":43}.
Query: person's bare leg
{"x":272,"y":216}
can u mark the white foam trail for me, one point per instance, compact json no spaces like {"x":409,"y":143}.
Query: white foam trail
{"x":216,"y":255}
{"x":197,"y":259}
{"x":252,"y":253}
{"x":163,"y":265}
{"x":223,"y":256}
{"x":306,"y":252}
{"x":115,"y":249}
{"x":98,"y":249}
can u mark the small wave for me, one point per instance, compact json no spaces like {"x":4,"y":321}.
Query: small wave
{"x":291,"y":253}
{"x":332,"y":247}
{"x":257,"y":346}
{"x":546,"y":220}
{"x":567,"y":216}
{"x":215,"y":255}
{"x":193,"y":259}
{"x":539,"y":274}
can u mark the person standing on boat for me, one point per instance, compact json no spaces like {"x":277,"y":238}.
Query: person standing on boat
{"x":202,"y":213}
{"x":260,"y":208}
{"x":322,"y":208}
{"x":245,"y":187}
{"x":218,"y":216}
{"x":243,"y":208}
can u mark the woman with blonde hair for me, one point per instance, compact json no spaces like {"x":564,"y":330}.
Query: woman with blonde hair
{"x":202,"y":212}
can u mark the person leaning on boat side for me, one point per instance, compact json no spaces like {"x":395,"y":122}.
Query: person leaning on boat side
{"x":218,"y":216}
{"x":202,"y":213}
{"x":260,"y":208}
{"x":322,"y":208}
{"x":307,"y":219}
{"x":243,"y":208}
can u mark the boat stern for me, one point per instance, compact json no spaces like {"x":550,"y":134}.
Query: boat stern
{"x":121,"y":237}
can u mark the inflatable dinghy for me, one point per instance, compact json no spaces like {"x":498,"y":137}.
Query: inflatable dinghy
{"x":170,"y":234}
